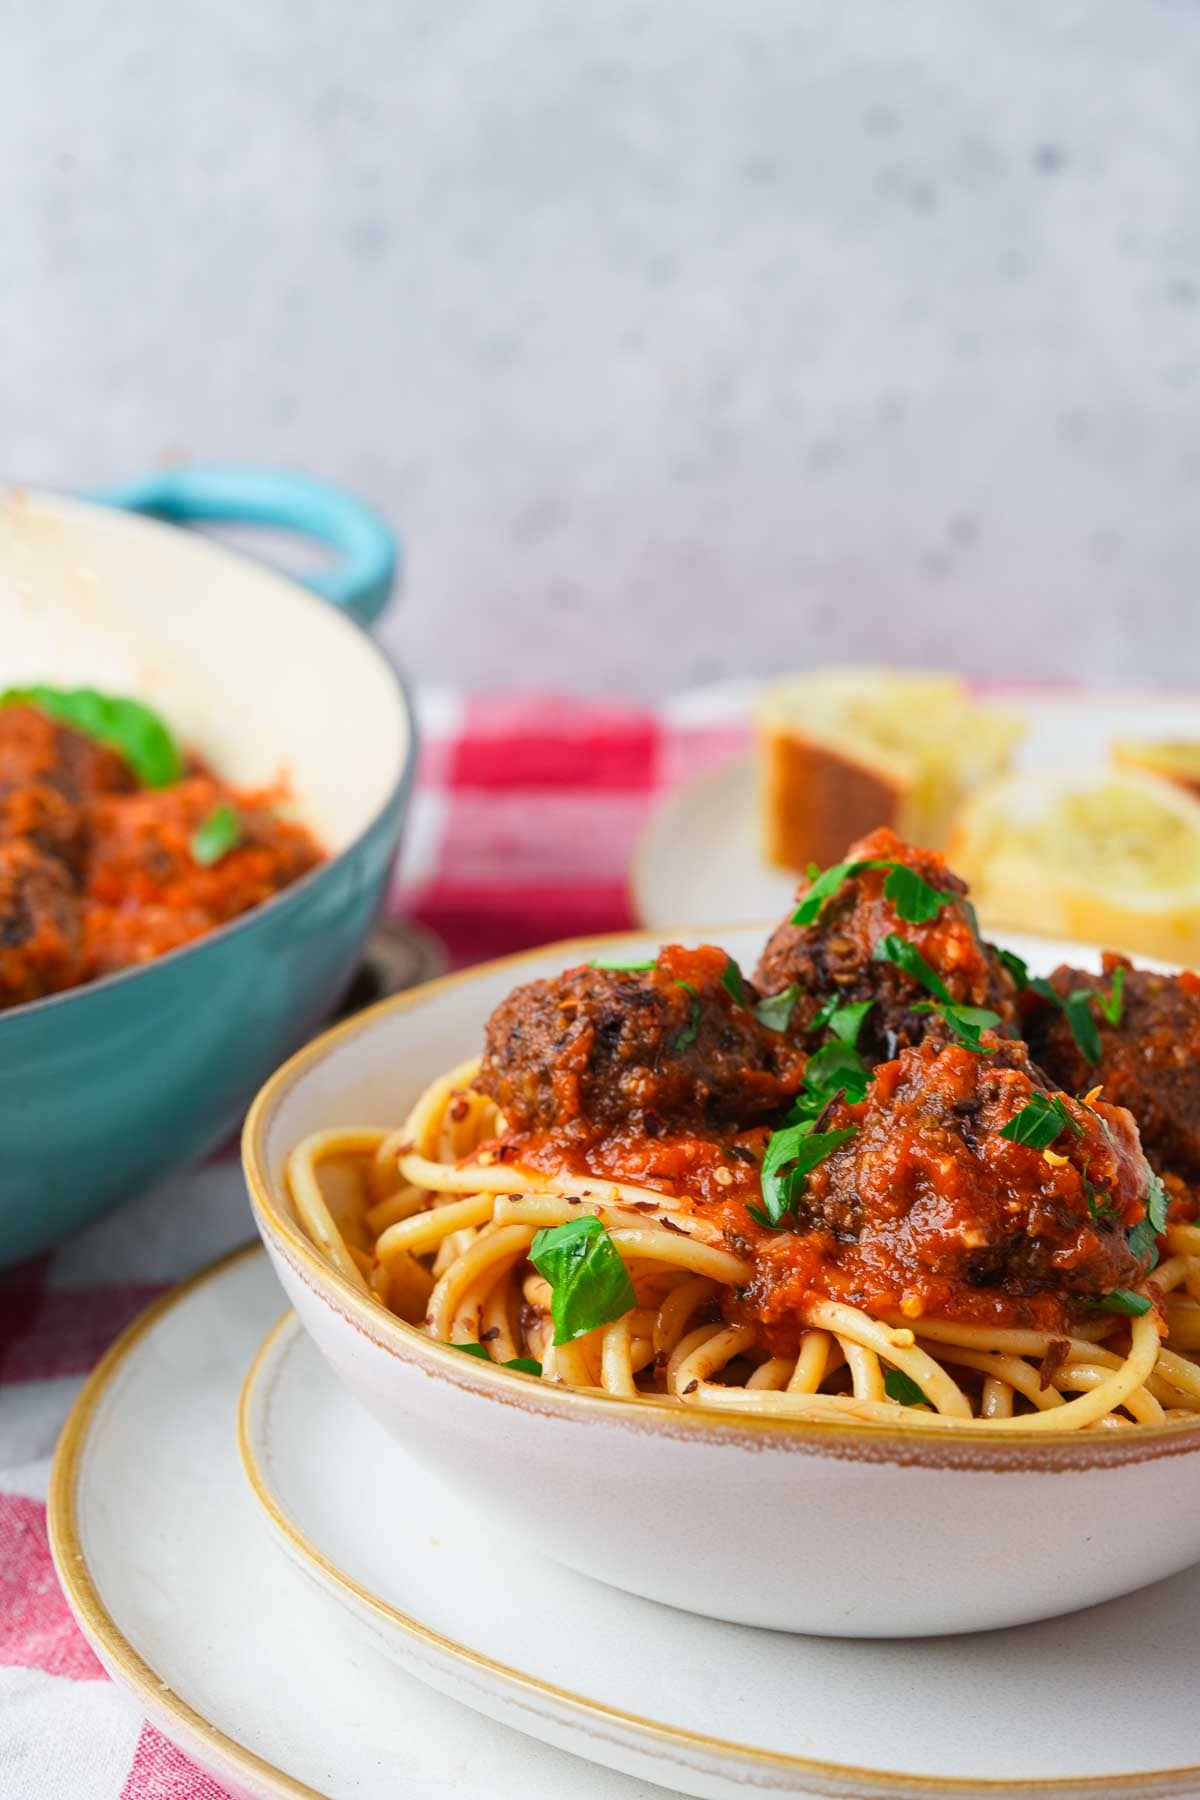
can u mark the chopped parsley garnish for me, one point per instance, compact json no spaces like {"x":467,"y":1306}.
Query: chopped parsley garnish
{"x":1111,"y":1008}
{"x":843,"y":1018}
{"x":791,"y":1154}
{"x":907,"y":957}
{"x":902,"y":1388}
{"x":524,"y":1365}
{"x":732,"y":982}
{"x":1143,"y":1243}
{"x":1040,"y":1121}
{"x":915,"y":900}
{"x":965,"y":1022}
{"x":1016,"y":965}
{"x":824,"y":886}
{"x":835,"y":1067}
{"x":623,"y":965}
{"x":216,"y":835}
{"x":775,"y":1011}
{"x":846,"y":1022}
{"x":1143,"y":1237}
{"x":589,"y":1284}
{"x":1101,"y":1206}
{"x":1076,"y":1008}
{"x":1122,"y":1301}
{"x":691,"y":1030}
{"x":124,"y":725}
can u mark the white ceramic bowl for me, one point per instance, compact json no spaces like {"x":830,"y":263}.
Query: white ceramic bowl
{"x":858,"y":1532}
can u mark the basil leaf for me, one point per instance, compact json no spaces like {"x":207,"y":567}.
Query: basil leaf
{"x":803,"y":1148}
{"x":124,"y":725}
{"x":907,"y":957}
{"x":524,"y":1365}
{"x":1122,"y":1301}
{"x":1157,"y":1204}
{"x":915,"y":901}
{"x":776,"y":1010}
{"x":216,"y":835}
{"x":732,"y":982}
{"x":1111,"y":1008}
{"x":899,"y":1386}
{"x":691,"y":1030}
{"x":589,"y":1284}
{"x":622,"y":965}
{"x":846,"y":1022}
{"x":1040,"y":1121}
{"x":760,"y":1217}
{"x":1016,"y":966}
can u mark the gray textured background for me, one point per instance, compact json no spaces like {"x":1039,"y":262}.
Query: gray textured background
{"x":681,"y":340}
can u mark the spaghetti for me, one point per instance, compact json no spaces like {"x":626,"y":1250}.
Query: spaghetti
{"x":844,"y":1193}
{"x":440,"y":1235}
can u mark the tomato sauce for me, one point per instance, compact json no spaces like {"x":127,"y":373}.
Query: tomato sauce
{"x":927,"y":1210}
{"x":98,"y":873}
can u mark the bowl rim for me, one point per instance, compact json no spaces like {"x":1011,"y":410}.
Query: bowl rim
{"x":1009,"y":1451}
{"x":402,"y":783}
{"x":116,"y":1650}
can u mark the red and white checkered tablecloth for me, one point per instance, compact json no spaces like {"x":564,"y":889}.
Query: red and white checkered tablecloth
{"x":522,"y":826}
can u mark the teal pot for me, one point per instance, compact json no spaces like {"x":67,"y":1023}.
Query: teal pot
{"x":108,"y":1088}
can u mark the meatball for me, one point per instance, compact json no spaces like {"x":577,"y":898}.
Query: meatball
{"x":834,"y":957}
{"x":928,"y":1208}
{"x":670,"y":1046}
{"x":48,"y":774}
{"x":1150,"y":1059}
{"x":147,"y":892}
{"x":39,"y":925}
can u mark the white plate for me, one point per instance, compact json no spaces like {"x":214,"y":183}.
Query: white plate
{"x":168,"y":1568}
{"x":1099,"y":1702}
{"x":699,"y":856}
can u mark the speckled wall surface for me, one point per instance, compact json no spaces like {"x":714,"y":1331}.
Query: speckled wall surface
{"x":682,"y":340}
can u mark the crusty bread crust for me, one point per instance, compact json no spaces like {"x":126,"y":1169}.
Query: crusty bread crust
{"x":815,"y":800}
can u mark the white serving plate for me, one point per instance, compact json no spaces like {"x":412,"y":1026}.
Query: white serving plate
{"x":266,"y":1683}
{"x":1099,"y":1702}
{"x":700,"y":856}
{"x":906,"y":1532}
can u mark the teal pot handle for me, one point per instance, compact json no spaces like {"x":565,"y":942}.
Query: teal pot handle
{"x":361,"y":580}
